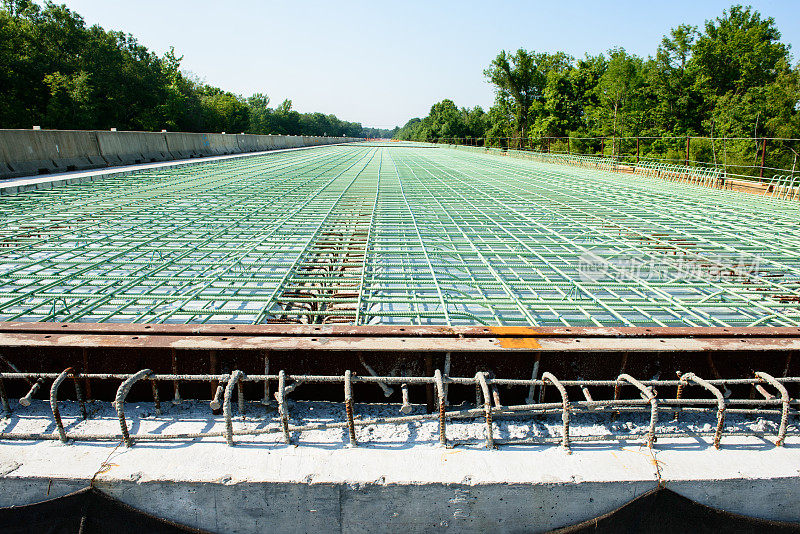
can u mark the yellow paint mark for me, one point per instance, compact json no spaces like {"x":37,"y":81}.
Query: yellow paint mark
{"x":519,"y":343}
{"x":106,"y":468}
{"x":513,"y":330}
{"x":448,"y":453}
{"x":647,"y":453}
{"x":525,"y":341}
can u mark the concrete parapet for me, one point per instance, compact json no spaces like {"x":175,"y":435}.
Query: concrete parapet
{"x":128,"y":148}
{"x":26,"y":152}
{"x":222,"y":144}
{"x":262,"y":142}
{"x":279,"y":141}
{"x":188,"y":145}
{"x":32,"y":152}
{"x":247,"y":143}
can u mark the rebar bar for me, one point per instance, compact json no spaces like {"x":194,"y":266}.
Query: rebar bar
{"x":369,"y":234}
{"x":648,"y":403}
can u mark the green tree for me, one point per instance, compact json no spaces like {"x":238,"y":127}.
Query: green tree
{"x":619,"y":109}
{"x":521,"y":78}
{"x":260,"y":113}
{"x":70,"y":103}
{"x":738,"y":51}
{"x":57,"y":72}
{"x":224,"y":111}
{"x":21,"y":8}
{"x":676,"y":99}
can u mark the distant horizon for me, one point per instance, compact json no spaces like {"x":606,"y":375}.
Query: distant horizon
{"x":411,"y":57}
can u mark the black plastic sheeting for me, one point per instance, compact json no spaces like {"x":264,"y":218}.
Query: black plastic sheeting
{"x":87,"y":511}
{"x":664,"y":511}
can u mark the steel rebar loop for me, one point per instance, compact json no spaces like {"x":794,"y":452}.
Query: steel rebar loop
{"x":647,"y":393}
{"x":416,"y":380}
{"x":119,"y":402}
{"x":622,"y":366}
{"x":156,"y":398}
{"x":240,"y":397}
{"x":481,"y":381}
{"x":495,"y":392}
{"x":26,"y":400}
{"x":405,"y":407}
{"x":216,"y":402}
{"x":447,"y":365}
{"x":691,"y":377}
{"x":548,"y":377}
{"x":440,"y":391}
{"x":4,"y":399}
{"x":176,"y":388}
{"x":291,"y":387}
{"x":267,"y":400}
{"x":784,"y":405}
{"x":387,"y":391}
{"x":54,"y":403}
{"x":79,"y":396}
{"x":531,"y":398}
{"x":234,"y":379}
{"x":348,"y":408}
{"x":678,"y":397}
{"x":480,"y":377}
{"x":283,"y":410}
{"x":587,"y":395}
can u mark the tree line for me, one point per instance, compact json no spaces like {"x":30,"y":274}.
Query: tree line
{"x":733,"y":79}
{"x":57,"y":72}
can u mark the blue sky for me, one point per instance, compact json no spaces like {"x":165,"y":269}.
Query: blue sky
{"x":381,"y":63}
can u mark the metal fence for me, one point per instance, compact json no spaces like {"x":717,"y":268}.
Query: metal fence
{"x":758,"y":158}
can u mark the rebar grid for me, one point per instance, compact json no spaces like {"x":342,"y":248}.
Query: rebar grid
{"x":488,"y":406}
{"x":370,"y":234}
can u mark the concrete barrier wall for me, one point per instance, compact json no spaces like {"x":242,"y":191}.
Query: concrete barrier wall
{"x":222,"y":144}
{"x":32,"y":152}
{"x":278,"y":141}
{"x":266,"y":142}
{"x":188,"y":145}
{"x":28,"y":152}
{"x":247,"y":143}
{"x":128,"y":148}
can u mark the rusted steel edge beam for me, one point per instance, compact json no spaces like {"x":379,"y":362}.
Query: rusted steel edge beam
{"x":287,"y":330}
{"x":321,"y":342}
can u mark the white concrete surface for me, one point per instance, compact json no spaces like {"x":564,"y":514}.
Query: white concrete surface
{"x":397,"y":479}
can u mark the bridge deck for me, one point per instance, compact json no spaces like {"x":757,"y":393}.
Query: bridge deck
{"x":367,"y":234}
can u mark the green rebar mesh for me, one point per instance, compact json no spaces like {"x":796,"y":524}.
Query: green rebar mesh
{"x":397,"y":233}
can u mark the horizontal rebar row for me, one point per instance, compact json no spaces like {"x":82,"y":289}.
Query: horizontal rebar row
{"x":369,"y":234}
{"x":487,"y":402}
